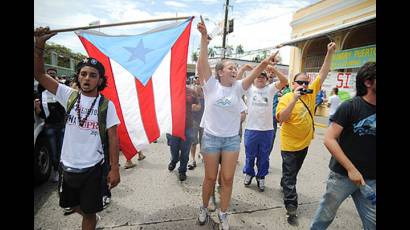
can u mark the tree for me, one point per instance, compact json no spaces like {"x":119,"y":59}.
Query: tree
{"x":239,"y":49}
{"x":211,"y":52}
{"x":194,"y":56}
{"x":64,"y":54}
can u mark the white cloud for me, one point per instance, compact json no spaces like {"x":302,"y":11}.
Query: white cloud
{"x":258,"y":24}
{"x":175,"y":4}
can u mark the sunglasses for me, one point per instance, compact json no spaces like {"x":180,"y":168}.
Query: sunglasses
{"x":302,"y":82}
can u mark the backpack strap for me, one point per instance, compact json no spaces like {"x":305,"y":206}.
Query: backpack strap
{"x":102,"y":124}
{"x":71,"y":101}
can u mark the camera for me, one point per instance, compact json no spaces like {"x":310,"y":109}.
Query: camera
{"x":305,"y":91}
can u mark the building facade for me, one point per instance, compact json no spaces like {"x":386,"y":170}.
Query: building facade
{"x":351,"y":24}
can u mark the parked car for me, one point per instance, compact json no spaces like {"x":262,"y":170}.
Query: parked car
{"x":42,"y":157}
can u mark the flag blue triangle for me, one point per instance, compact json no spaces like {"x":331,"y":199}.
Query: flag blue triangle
{"x":138,"y":54}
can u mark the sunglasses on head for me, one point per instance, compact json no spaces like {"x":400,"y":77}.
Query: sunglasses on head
{"x":302,"y":82}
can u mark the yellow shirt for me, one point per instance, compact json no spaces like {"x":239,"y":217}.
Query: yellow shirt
{"x":297,"y":132}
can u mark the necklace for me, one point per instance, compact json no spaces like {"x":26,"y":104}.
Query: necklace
{"x":82,"y":121}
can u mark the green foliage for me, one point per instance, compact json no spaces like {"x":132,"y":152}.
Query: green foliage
{"x":194,"y":56}
{"x":211,"y":52}
{"x":239,"y":49}
{"x":64,"y":54}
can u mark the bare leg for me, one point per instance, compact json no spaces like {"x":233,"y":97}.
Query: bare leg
{"x":228,"y":166}
{"x":89,"y":221}
{"x":193,"y":151}
{"x":211,"y":170}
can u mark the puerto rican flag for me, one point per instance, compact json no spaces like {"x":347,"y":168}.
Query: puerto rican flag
{"x":146,"y":77}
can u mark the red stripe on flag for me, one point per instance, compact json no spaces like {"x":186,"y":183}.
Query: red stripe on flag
{"x":110,"y":92}
{"x":147,"y":109}
{"x":179,"y":56}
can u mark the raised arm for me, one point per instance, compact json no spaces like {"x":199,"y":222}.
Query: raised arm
{"x":331,"y":47}
{"x":247,"y":82}
{"x":242,"y":70}
{"x":283,"y":80}
{"x":41,"y":35}
{"x":203,"y":65}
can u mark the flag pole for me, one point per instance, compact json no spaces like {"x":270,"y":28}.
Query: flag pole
{"x":116,"y":24}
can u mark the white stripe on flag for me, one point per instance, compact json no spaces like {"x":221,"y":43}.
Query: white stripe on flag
{"x":127,"y":95}
{"x":162,"y":94}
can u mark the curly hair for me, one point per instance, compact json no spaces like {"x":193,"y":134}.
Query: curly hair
{"x":366,"y":72}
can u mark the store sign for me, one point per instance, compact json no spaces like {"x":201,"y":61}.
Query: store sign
{"x":353,"y":58}
{"x":344,"y":81}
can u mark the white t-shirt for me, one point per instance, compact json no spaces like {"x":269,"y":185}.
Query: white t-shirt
{"x":47,"y":97}
{"x":222,"y":113}
{"x":260,"y":103}
{"x":82,"y":146}
{"x":334,"y":101}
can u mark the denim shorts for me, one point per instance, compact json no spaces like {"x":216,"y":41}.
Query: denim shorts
{"x":214,"y":144}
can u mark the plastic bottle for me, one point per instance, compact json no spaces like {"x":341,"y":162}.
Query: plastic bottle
{"x":369,"y":193}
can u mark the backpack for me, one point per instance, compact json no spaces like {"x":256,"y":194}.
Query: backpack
{"x":102,"y":119}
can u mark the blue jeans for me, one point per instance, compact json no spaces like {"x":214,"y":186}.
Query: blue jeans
{"x":257,"y":146}
{"x":55,"y":136}
{"x":338,"y":188}
{"x":180,"y":149}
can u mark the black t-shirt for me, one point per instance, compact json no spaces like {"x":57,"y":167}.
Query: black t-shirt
{"x":57,"y":113}
{"x":358,"y":138}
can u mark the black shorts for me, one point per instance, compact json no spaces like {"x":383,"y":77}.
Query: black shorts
{"x":85,"y":192}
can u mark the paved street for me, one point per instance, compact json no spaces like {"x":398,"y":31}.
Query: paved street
{"x":151,"y":197}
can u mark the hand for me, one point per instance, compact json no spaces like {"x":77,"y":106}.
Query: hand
{"x":331,"y":47}
{"x":271,"y":59}
{"x":113,"y":178}
{"x":41,"y":35}
{"x":202,"y":28}
{"x":356,"y":177}
{"x":296,"y":92}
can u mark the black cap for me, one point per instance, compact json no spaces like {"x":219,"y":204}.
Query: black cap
{"x":91,"y":62}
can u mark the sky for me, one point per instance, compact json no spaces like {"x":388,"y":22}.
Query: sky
{"x":258,"y":24}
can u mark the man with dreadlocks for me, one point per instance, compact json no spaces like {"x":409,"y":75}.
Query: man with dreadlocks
{"x":90,"y":138}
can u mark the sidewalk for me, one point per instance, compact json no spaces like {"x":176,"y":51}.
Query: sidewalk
{"x":151,"y":197}
{"x":321,"y":122}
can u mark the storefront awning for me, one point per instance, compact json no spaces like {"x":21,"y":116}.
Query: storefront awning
{"x":326,"y":32}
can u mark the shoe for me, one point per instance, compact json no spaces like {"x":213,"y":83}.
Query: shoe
{"x":106,"y":201}
{"x":171,"y":166}
{"x":261,"y":184}
{"x":292,"y":219}
{"x":192,"y":165}
{"x":203,"y":215}
{"x":182,"y":176}
{"x":141,"y":156}
{"x":248,"y":180}
{"x":54,"y":176}
{"x":223,"y":218}
{"x":68,"y":211}
{"x":291,"y":215}
{"x":129,"y":164}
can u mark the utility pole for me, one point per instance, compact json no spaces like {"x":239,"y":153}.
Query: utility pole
{"x":224,"y":30}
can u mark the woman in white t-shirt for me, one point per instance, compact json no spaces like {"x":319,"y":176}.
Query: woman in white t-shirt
{"x":221,"y":121}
